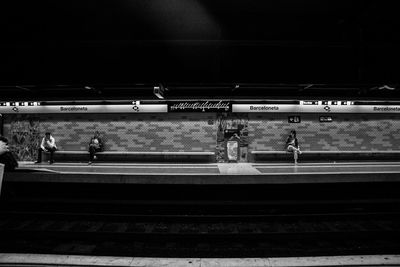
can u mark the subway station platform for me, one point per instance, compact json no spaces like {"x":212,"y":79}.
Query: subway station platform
{"x":214,"y":173}
{"x":72,"y":260}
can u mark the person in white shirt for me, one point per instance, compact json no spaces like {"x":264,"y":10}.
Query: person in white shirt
{"x":48,"y":145}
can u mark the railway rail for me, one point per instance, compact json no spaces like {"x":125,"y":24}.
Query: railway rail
{"x":211,"y":229}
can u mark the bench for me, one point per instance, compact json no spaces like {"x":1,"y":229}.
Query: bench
{"x":137,"y":156}
{"x":362,"y":155}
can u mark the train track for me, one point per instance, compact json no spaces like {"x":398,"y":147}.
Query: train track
{"x":200,"y":221}
{"x":204,"y":229}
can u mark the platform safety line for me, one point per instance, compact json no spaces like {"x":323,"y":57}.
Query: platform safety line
{"x":339,"y":172}
{"x":137,"y":173}
{"x":122,"y":164}
{"x":327,"y":166}
{"x":16,"y":259}
{"x":157,"y":164}
{"x":126,"y":167}
{"x":222,"y":174}
{"x":397,"y":163}
{"x":40,"y":170}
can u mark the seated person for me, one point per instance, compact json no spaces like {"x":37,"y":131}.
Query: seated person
{"x":292,"y":145}
{"x":3,"y":145}
{"x":48,"y":144}
{"x":95,"y":145}
{"x":6,"y":157}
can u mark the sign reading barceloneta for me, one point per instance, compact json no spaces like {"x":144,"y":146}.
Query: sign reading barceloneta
{"x":48,"y":107}
{"x":314,"y":106}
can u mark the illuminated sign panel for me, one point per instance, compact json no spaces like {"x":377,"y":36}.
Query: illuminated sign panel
{"x":294,"y":119}
{"x":325,"y":119}
{"x":312,"y":108}
{"x":42,"y":109}
{"x":199,"y":106}
{"x":310,"y":102}
{"x":386,"y":109}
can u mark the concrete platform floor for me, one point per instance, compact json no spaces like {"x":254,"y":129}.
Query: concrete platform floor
{"x":71,"y":260}
{"x":216,"y":168}
{"x":213,"y":173}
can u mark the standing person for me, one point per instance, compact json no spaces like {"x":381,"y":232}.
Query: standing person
{"x":95,"y":145}
{"x":48,"y":145}
{"x":6,"y":157}
{"x":292,"y":145}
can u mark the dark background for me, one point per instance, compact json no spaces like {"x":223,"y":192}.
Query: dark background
{"x":270,"y":48}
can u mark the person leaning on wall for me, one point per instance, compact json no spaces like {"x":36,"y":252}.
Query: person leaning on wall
{"x":95,"y":145}
{"x":48,"y":144}
{"x":292,"y":145}
{"x":6,"y":157}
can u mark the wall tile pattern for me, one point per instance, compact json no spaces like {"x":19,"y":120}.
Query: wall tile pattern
{"x":347,"y":132}
{"x":131,"y":132}
{"x":192,"y":131}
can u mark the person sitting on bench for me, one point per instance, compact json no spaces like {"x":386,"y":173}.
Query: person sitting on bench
{"x":48,"y":145}
{"x":292,"y":145}
{"x":95,"y":145}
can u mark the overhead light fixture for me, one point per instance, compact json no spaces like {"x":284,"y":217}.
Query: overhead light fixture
{"x":305,"y":86}
{"x":235,"y":86}
{"x":23,"y":88}
{"x":382,"y":87}
{"x":386,"y":87}
{"x":94,"y":89}
{"x":159,"y":91}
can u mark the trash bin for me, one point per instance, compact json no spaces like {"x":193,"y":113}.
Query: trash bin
{"x":232,"y":150}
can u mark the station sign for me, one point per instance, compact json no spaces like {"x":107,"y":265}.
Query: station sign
{"x":294,"y":119}
{"x":319,"y":107}
{"x":316,"y":107}
{"x":325,"y":119}
{"x":135,"y":107}
{"x":199,"y":106}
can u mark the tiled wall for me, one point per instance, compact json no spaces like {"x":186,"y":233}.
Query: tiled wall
{"x":198,"y":131}
{"x":131,"y":132}
{"x":346,"y":132}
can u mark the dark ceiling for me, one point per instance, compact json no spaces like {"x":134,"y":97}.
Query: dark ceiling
{"x":199,"y":47}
